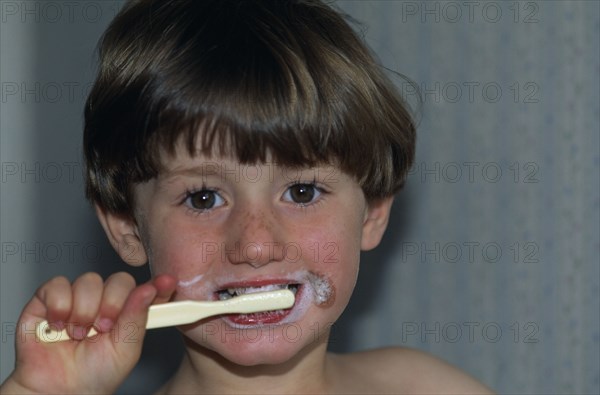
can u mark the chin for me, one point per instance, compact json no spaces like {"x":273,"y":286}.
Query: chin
{"x":258,"y":357}
{"x":252,"y":346}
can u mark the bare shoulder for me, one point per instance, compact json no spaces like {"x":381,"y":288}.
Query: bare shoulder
{"x":406,"y":371}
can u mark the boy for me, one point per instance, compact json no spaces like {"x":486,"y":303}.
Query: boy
{"x":236,"y":147}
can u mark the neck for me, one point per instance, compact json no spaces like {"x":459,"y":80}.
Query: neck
{"x":203,"y":371}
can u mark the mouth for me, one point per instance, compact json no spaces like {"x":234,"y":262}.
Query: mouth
{"x":231,"y":292}
{"x":260,"y":318}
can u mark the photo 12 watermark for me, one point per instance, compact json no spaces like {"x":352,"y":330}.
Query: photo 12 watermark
{"x":44,"y":92}
{"x":52,"y":172}
{"x":470,"y":172}
{"x":58,"y":12}
{"x":469,"y":332}
{"x":127,"y":332}
{"x":490,"y":92}
{"x":38,"y":172}
{"x":325,"y":252}
{"x":130,"y":332}
{"x":80,"y":252}
{"x":50,"y":252}
{"x":470,"y":11}
{"x":471,"y":252}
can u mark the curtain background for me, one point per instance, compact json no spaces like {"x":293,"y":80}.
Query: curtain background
{"x":491,"y":260}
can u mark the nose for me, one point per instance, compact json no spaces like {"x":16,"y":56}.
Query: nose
{"x":254,"y":239}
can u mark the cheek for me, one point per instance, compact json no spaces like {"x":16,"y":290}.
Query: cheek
{"x":181,"y":250}
{"x":333,"y":252}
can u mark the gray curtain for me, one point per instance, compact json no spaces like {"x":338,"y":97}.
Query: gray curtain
{"x":491,"y":260}
{"x":496,"y":264}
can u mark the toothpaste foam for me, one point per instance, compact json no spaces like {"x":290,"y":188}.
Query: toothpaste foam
{"x":189,"y":283}
{"x":321,"y":287}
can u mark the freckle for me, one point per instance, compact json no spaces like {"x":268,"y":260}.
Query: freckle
{"x":248,"y":221}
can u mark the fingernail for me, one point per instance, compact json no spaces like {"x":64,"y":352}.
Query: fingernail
{"x":105,"y":324}
{"x":57,"y":325}
{"x":79,"y":332}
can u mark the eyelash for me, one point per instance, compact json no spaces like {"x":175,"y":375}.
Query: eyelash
{"x":320,"y":190}
{"x":190,"y":193}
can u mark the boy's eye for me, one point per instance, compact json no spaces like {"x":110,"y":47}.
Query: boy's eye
{"x":204,"y":200}
{"x":302,"y":193}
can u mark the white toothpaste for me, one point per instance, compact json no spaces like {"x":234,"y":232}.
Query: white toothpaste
{"x":321,"y":287}
{"x":189,"y":283}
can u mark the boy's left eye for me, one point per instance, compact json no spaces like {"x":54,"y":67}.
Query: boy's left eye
{"x":302,"y":193}
{"x":204,"y":200}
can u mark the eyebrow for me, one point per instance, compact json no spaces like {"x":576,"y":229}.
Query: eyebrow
{"x":203,"y":170}
{"x":224,"y":171}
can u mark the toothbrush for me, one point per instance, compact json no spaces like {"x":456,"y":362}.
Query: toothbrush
{"x":188,"y":311}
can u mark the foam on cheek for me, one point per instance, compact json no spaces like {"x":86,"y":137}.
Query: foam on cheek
{"x":323,"y":290}
{"x":189,"y":283}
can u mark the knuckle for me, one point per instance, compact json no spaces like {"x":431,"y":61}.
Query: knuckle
{"x":90,"y":278}
{"x":87,"y":294}
{"x":123,"y":278}
{"x":118,"y":288}
{"x":52,"y":293}
{"x":54,"y":283}
{"x":59,"y":306}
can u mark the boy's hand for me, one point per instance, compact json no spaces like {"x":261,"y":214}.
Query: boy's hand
{"x":116,"y":308}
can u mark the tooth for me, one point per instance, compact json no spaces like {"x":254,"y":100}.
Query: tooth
{"x":224,"y":296}
{"x":236,"y":291}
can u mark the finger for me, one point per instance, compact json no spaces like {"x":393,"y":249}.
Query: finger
{"x":165,"y":285}
{"x":130,"y":329}
{"x":57,"y":297}
{"x":87,"y":294}
{"x":116,"y":290}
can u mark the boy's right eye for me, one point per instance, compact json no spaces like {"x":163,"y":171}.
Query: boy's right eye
{"x":204,"y":200}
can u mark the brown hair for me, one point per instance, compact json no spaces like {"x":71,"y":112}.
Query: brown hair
{"x":244,"y":78}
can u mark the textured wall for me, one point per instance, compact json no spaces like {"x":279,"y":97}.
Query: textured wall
{"x":497,"y":229}
{"x":492,"y":256}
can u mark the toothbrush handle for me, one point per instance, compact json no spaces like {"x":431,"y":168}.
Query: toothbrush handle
{"x":159,"y":316}
{"x":187,"y":311}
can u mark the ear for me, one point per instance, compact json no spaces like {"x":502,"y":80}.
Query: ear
{"x":123,"y":235}
{"x":375,"y":222}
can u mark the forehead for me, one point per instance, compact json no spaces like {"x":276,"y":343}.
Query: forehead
{"x":227,"y":167}
{"x":224,"y":153}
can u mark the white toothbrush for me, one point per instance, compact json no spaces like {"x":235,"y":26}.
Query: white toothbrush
{"x":188,"y":311}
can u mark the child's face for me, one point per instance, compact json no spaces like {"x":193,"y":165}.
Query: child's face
{"x":216,"y":224}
